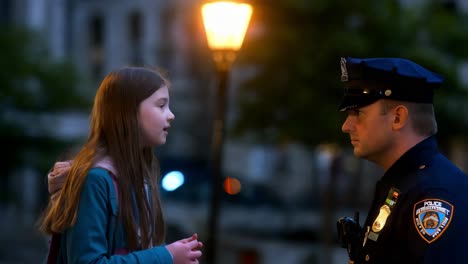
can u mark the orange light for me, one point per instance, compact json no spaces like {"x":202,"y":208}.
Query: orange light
{"x":232,"y":186}
{"x":225,"y":24}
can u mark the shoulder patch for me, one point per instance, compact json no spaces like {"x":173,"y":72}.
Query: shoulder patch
{"x":432,"y":217}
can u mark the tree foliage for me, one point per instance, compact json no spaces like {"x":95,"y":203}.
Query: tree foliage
{"x":31,"y":84}
{"x":298,"y":44}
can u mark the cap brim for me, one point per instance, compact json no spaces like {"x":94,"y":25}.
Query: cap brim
{"x":352,"y":102}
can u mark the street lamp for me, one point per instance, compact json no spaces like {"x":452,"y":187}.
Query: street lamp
{"x":225,"y":24}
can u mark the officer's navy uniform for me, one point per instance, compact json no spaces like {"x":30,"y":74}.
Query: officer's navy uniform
{"x":420,"y":174}
{"x":419,"y":213}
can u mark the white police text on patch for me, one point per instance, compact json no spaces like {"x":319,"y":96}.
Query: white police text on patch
{"x":433,"y":206}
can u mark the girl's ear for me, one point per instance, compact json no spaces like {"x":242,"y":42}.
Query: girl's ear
{"x":400,"y":117}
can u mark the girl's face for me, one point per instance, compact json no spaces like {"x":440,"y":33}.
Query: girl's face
{"x":155,"y":117}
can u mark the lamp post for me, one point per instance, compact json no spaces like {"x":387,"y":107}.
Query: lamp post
{"x":225,"y":24}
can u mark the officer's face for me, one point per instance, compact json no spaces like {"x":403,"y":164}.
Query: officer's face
{"x":370,"y":130}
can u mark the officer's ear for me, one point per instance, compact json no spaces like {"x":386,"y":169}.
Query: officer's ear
{"x":400,"y":117}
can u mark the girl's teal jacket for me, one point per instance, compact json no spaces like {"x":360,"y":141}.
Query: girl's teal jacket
{"x":95,"y":237}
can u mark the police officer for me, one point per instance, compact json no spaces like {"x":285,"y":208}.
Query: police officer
{"x":419,"y":213}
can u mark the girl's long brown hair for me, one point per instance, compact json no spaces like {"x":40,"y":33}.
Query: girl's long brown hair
{"x":114,"y":132}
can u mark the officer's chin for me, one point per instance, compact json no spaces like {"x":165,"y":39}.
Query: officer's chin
{"x":358,"y":153}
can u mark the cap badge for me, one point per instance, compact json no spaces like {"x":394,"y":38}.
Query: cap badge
{"x":431,"y":218}
{"x":388,"y":92}
{"x":344,"y":71}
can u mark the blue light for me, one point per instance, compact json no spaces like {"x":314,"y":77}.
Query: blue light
{"x":172,"y":180}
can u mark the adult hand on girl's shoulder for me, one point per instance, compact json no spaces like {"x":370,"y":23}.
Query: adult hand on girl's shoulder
{"x":186,"y":251}
{"x":57,"y":175}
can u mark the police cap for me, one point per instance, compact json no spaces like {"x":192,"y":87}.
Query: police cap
{"x":370,"y":79}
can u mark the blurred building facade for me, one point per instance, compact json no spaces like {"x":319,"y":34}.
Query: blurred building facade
{"x":98,"y":36}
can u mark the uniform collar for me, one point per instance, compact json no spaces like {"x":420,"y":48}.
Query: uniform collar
{"x":414,"y":159}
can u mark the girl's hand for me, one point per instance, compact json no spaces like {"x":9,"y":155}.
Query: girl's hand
{"x":186,"y":251}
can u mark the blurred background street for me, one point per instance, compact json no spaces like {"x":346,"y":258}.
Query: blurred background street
{"x":284,"y":172}
{"x":20,"y":242}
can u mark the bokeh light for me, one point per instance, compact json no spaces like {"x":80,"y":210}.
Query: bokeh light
{"x":232,"y":186}
{"x":173,"y":180}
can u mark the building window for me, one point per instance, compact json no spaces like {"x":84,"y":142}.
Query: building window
{"x":96,"y":46}
{"x":449,"y":5}
{"x":5,"y":11}
{"x":135,"y":37}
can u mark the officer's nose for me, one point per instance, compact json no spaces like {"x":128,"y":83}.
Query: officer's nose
{"x":347,"y":124}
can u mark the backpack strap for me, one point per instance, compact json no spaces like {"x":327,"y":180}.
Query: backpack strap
{"x":113,"y":218}
{"x":54,"y":248}
{"x":55,"y":239}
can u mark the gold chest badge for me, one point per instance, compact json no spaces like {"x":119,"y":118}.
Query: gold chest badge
{"x":381,"y":219}
{"x":384,"y":213}
{"x":385,"y":210}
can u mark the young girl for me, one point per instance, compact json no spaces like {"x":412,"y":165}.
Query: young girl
{"x":108,"y":209}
